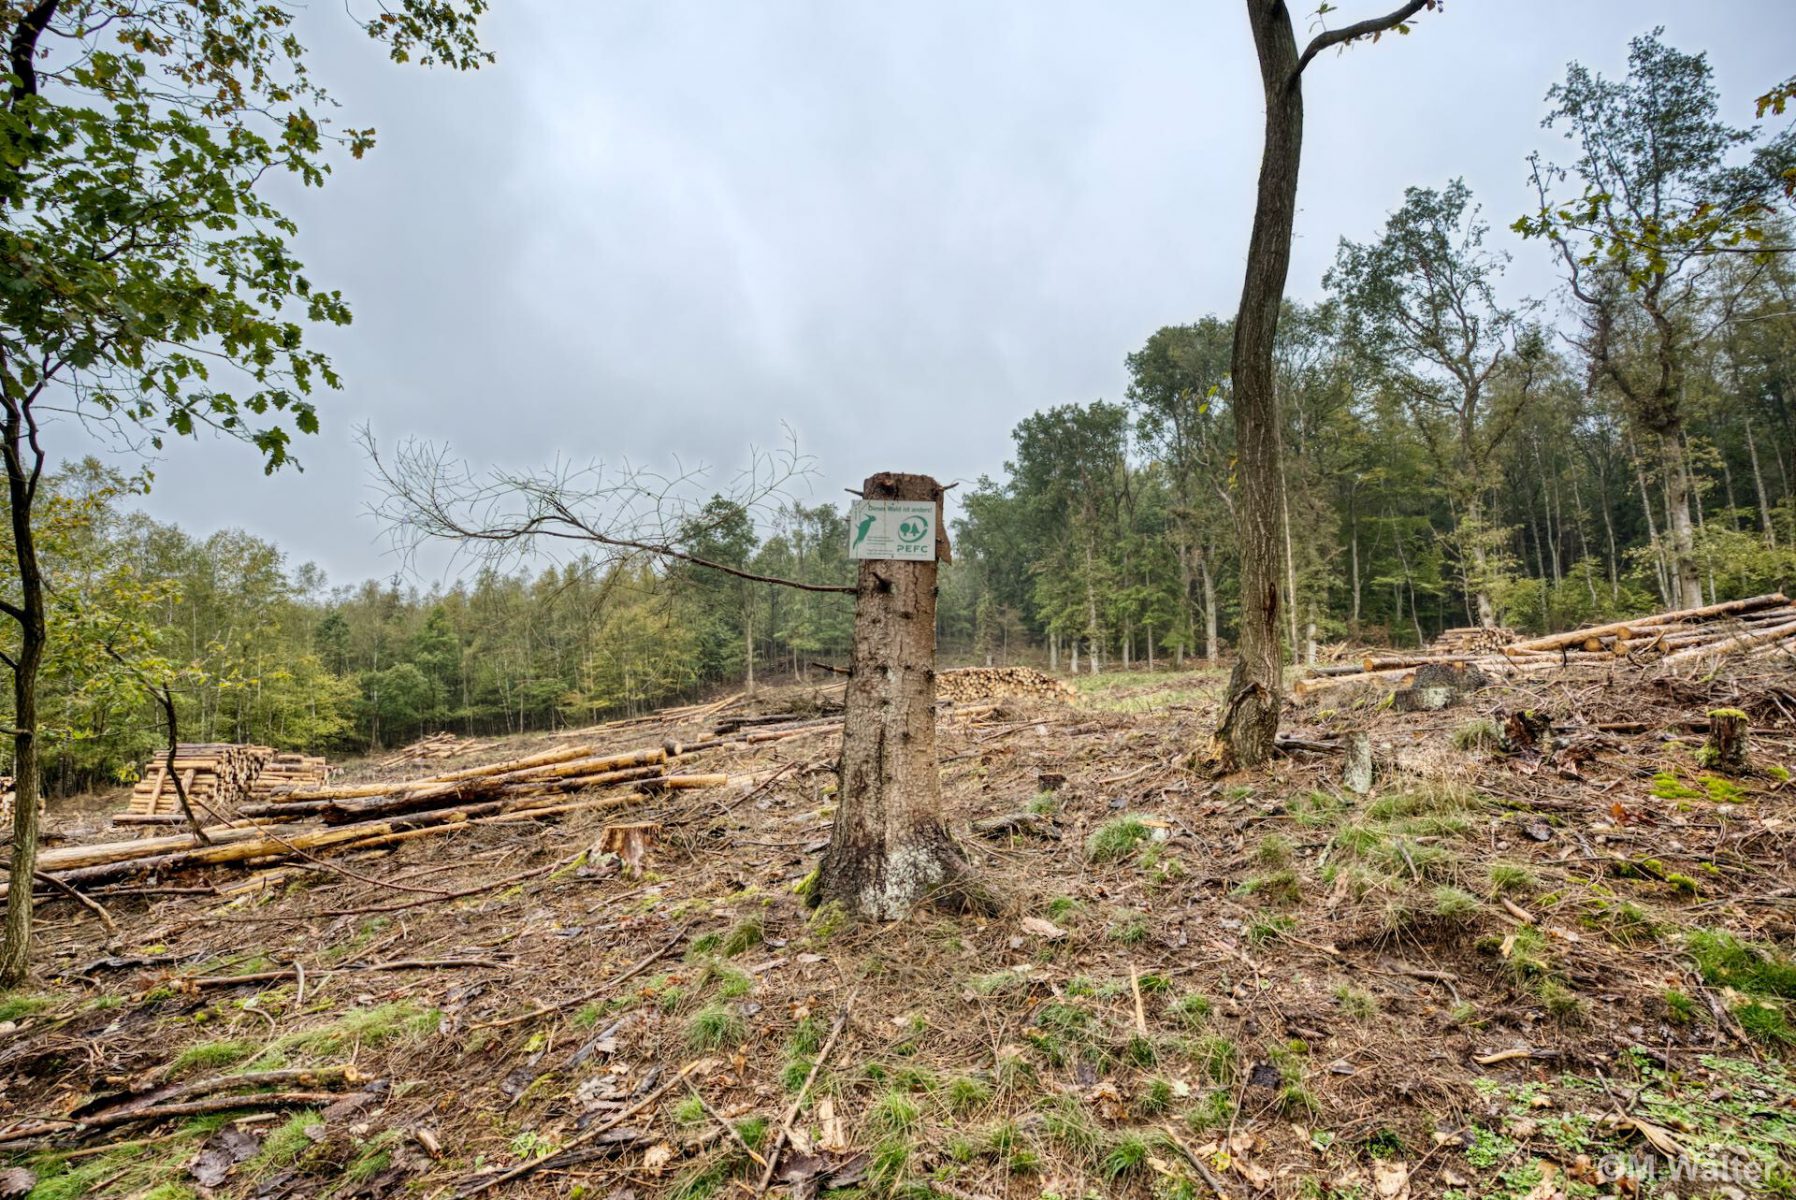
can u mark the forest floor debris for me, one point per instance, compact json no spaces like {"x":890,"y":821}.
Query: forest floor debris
{"x":1513,"y":969}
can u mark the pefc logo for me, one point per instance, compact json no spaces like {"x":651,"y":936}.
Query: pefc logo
{"x":912,"y":529}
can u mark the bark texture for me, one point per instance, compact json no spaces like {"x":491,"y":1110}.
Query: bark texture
{"x":1250,"y":716}
{"x":890,"y":850}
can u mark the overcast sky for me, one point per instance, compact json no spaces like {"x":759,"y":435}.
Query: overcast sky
{"x":664,"y":227}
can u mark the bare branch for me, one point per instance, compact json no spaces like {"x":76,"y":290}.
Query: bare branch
{"x":430,"y":496}
{"x":1359,"y":29}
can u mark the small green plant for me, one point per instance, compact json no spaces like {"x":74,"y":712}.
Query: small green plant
{"x":690,"y":1111}
{"x":15,"y":1006}
{"x":1044,"y":804}
{"x":1130,"y":929}
{"x":965,"y":1094}
{"x":895,"y":1113}
{"x":1455,"y":906}
{"x":1216,"y":1056}
{"x":1062,"y":907}
{"x":1266,"y":928}
{"x":1680,"y":1009}
{"x":1211,"y":1112}
{"x":1667,"y":786}
{"x":1156,"y":1097}
{"x":287,"y":1142}
{"x":1279,"y":887}
{"x":714,"y":1027}
{"x":1127,"y":1155}
{"x":1274,"y":850}
{"x":1192,"y":1009}
{"x":1116,"y":838}
{"x":742,"y":938}
{"x":212,"y":1056}
{"x":1511,"y":879}
{"x":1361,"y":1006}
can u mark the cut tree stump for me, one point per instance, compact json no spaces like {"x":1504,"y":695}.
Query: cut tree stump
{"x":1725,"y":751}
{"x":1356,"y":771}
{"x":889,"y":850}
{"x":631,"y":844}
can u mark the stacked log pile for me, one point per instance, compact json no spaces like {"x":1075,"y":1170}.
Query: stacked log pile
{"x":1474,"y":639}
{"x":1754,"y":627}
{"x":215,"y":776}
{"x":970,"y":685}
{"x":288,"y":772}
{"x":434,"y":748}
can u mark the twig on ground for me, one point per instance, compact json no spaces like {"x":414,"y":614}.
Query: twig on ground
{"x":785,"y":1130}
{"x":88,"y":902}
{"x":728,"y":1128}
{"x":604,"y":989}
{"x":616,"y":1119}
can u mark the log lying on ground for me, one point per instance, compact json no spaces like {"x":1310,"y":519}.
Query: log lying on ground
{"x":1755,"y":625}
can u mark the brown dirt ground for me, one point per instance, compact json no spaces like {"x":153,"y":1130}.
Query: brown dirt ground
{"x":1286,"y":983}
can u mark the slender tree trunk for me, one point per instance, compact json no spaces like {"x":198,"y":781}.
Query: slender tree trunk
{"x":1652,"y":533}
{"x":1187,"y":602}
{"x":1758,"y":483}
{"x":1212,"y":634}
{"x":748,"y":649}
{"x":1284,"y":499}
{"x":1353,"y":559}
{"x":24,"y":463}
{"x":1474,"y":520}
{"x":1685,"y":572}
{"x":1054,"y":651}
{"x":889,"y":849}
{"x":1250,"y":713}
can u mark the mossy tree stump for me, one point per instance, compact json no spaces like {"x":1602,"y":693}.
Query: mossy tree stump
{"x":1725,"y":751}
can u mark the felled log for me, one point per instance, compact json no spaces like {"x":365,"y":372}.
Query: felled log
{"x":1554,"y":641}
{"x":1732,"y":643}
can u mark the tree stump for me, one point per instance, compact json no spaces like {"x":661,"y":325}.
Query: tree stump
{"x":1356,"y":770}
{"x":1725,"y":750}
{"x":889,"y":849}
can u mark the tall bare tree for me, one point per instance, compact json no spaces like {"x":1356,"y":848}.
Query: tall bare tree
{"x":1250,"y":712}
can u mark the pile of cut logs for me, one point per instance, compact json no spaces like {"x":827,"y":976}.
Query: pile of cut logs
{"x":215,"y":776}
{"x":287,"y":772}
{"x":966,"y":685}
{"x":430,"y":749}
{"x":1758,"y":626}
{"x":1474,"y":639}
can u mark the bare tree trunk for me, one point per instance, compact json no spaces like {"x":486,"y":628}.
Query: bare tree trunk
{"x":1652,"y":531}
{"x":1486,"y":609}
{"x":1054,"y":651}
{"x":1758,"y":482}
{"x":889,"y":849}
{"x":748,"y":649}
{"x":1256,"y":685}
{"x":1353,"y":559}
{"x":24,"y":466}
{"x":1212,"y":637}
{"x":1284,"y":499}
{"x":1685,"y":573}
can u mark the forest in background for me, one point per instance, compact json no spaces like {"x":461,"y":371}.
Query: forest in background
{"x":1453,"y":455}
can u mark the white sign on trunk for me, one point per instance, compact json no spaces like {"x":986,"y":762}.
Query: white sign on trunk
{"x":892,"y":529}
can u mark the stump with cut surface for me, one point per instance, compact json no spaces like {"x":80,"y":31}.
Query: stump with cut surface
{"x":1725,"y":749}
{"x":889,"y":849}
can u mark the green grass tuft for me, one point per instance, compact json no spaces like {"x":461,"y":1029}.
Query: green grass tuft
{"x":1116,"y":838}
{"x":715,"y":1027}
